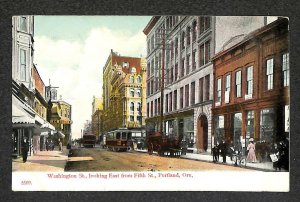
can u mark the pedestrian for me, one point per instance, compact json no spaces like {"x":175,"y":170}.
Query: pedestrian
{"x":251,"y":157}
{"x":223,"y":148}
{"x":25,"y":148}
{"x":60,"y":146}
{"x":274,"y":156}
{"x":283,"y":157}
{"x":216,"y":152}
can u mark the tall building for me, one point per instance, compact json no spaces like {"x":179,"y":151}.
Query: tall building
{"x":97,"y":122}
{"x":187,"y":43}
{"x":28,"y":112}
{"x":124,"y":96}
{"x":251,"y":91}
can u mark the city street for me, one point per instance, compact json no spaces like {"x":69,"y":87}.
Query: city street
{"x":96,"y":159}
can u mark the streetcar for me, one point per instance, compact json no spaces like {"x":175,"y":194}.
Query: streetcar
{"x":89,"y":140}
{"x":118,"y":140}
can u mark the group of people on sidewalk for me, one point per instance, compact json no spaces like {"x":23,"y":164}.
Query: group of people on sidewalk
{"x":279,"y":152}
{"x":25,"y":148}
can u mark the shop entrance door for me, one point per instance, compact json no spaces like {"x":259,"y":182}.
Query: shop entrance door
{"x":202,"y":128}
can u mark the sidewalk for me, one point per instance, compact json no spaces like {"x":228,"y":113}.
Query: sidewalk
{"x":42,"y":161}
{"x":207,"y":157}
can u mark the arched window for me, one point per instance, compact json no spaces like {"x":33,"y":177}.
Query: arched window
{"x":139,"y":107}
{"x":182,"y":40}
{"x":138,"y":93}
{"x":194,"y":31}
{"x":131,"y":79}
{"x":132,"y":92}
{"x":139,"y":79}
{"x":188,"y":36}
{"x":131,"y":106}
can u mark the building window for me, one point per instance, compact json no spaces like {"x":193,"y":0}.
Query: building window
{"x":170,"y":101}
{"x":132,"y":106}
{"x":131,"y":92}
{"x":267,"y":124}
{"x":138,"y":93}
{"x":176,"y":47}
{"x":219,"y":129}
{"x":238,"y":83}
{"x":219,"y":90}
{"x":227,"y":88}
{"x":201,"y":90}
{"x":207,"y":86}
{"x":131,"y":79}
{"x":194,"y":31}
{"x":23,"y":24}
{"x":176,"y":72}
{"x":175,"y":100}
{"x":188,"y":64}
{"x":23,"y":65}
{"x":152,"y":42}
{"x":237,"y":127}
{"x":182,"y":40}
{"x":139,"y":119}
{"x":194,"y":60}
{"x":270,"y":66}
{"x":181,"y":97}
{"x":201,"y":55}
{"x":250,"y":124}
{"x":207,"y":52}
{"x":182,"y":68}
{"x":187,"y":95}
{"x":148,"y":115}
{"x":171,"y":75}
{"x":188,"y":36}
{"x":158,"y":106}
{"x":192,"y":93}
{"x":155,"y":107}
{"x":204,"y":24}
{"x":286,"y":69}
{"x":250,"y":81}
{"x":131,"y":118}
{"x":139,"y":107}
{"x":167,"y":103}
{"x":151,"y":108}
{"x":138,"y":79}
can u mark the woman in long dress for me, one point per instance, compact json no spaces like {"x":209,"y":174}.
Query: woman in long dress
{"x":251,"y":152}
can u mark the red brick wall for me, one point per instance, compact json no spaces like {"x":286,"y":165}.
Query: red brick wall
{"x":39,"y":84}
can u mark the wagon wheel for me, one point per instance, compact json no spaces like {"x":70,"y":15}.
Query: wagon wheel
{"x":160,"y":151}
{"x":150,"y":149}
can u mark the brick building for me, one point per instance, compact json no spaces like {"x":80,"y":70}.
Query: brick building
{"x":251,"y":91}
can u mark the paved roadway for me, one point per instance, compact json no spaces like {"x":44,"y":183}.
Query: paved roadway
{"x":96,"y":159}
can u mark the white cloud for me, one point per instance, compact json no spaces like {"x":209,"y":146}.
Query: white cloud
{"x":77,"y":68}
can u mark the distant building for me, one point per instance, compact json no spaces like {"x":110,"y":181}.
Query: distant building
{"x":97,"y":122}
{"x":251,"y":91}
{"x":190,"y":42}
{"x":124,"y":94}
{"x":61,"y":119}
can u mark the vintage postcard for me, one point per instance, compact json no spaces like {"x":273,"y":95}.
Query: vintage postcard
{"x":150,"y":103}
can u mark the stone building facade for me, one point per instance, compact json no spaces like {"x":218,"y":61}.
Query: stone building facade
{"x":124,"y":94}
{"x":190,"y":42}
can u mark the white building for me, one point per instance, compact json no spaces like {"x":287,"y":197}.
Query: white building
{"x":26,"y":122}
{"x":190,"y":42}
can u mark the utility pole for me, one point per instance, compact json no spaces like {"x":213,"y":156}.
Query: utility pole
{"x":162,"y":83}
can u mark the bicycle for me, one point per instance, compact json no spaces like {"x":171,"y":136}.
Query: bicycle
{"x":238,"y":159}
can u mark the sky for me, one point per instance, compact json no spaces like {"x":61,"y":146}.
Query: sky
{"x":71,"y":51}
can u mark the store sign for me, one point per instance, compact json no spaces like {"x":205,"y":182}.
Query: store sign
{"x":287,"y":118}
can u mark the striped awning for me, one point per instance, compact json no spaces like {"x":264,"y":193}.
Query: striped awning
{"x":21,"y":113}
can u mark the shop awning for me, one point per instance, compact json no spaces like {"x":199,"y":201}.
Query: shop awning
{"x":21,"y":113}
